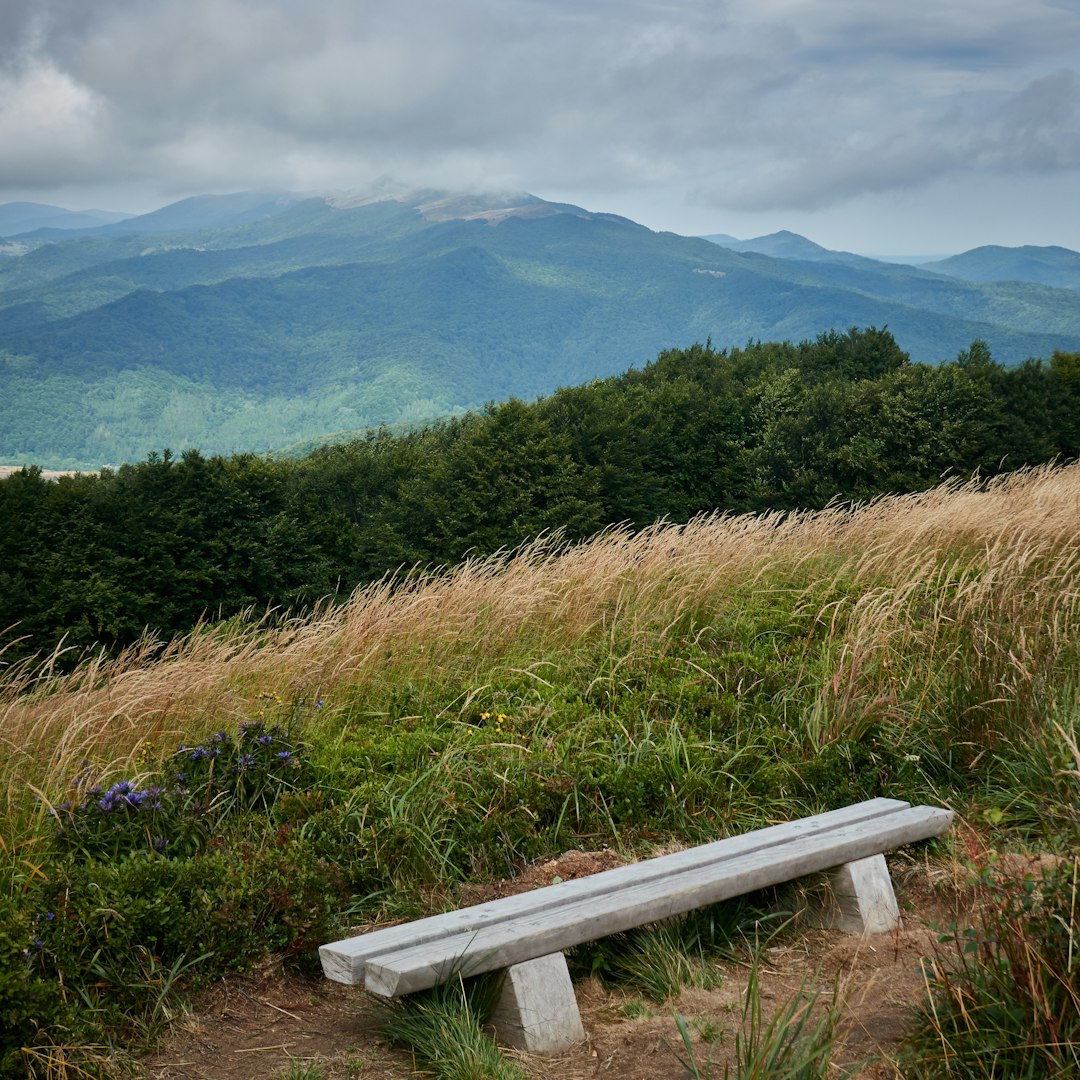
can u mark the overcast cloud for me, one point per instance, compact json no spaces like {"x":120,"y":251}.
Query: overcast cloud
{"x":928,"y":126}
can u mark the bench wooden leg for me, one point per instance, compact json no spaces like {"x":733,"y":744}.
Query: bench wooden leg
{"x":538,"y":1010}
{"x":862,"y":901}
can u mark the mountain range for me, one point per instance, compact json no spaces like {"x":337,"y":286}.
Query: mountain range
{"x":17,"y":218}
{"x":258,"y":320}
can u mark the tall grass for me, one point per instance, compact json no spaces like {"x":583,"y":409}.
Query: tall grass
{"x":444,"y":1029}
{"x":897,"y":591}
{"x":951,"y":616}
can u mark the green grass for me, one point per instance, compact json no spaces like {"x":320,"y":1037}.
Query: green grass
{"x":443,"y":1029}
{"x":796,"y":1042}
{"x":303,"y":1070}
{"x":664,"y":688}
{"x":1003,"y":993}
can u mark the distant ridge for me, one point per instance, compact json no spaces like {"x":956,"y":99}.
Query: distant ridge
{"x":788,"y":245}
{"x":24,"y":217}
{"x":723,"y":239}
{"x":195,"y":214}
{"x":1056,"y":266}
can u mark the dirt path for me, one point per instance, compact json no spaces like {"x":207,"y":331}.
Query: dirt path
{"x":252,"y":1027}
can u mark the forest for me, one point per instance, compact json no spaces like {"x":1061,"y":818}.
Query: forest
{"x":100,"y":560}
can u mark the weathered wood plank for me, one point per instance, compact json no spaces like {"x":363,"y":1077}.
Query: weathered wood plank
{"x":343,"y":961}
{"x":545,"y":931}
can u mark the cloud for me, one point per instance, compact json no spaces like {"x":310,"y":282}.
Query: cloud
{"x":1038,"y":128}
{"x":49,"y":123}
{"x":743,"y":104}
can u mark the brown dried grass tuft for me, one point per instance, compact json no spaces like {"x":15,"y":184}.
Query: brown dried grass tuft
{"x":989,"y":554}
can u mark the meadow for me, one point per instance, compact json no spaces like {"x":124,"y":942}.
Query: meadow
{"x":256,"y":786}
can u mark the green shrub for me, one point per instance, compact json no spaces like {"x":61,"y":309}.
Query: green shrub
{"x":29,"y":1004}
{"x":129,"y":936}
{"x":200,"y":787}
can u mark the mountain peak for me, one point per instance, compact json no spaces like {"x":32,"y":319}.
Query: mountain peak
{"x":436,"y":205}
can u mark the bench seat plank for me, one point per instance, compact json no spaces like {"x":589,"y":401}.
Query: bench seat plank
{"x":344,"y":961}
{"x":553,"y":928}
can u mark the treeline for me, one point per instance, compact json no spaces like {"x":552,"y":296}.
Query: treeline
{"x":95,"y":559}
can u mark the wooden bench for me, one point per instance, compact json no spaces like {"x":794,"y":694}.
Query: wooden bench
{"x":525,"y":935}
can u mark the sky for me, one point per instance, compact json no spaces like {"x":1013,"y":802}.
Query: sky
{"x":924,"y":127}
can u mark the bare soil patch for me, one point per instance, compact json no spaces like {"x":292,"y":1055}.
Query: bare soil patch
{"x":252,"y":1027}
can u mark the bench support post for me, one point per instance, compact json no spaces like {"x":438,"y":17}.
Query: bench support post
{"x":862,"y":900}
{"x":537,"y":1010}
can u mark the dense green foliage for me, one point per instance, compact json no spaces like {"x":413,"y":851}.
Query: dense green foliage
{"x":95,"y":559}
{"x":321,"y":319}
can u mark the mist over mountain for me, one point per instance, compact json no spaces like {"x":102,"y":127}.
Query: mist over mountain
{"x":256,"y":320}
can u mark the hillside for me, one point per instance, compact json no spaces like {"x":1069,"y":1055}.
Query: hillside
{"x":1055,"y":266}
{"x":290,"y":320}
{"x":199,"y":812}
{"x":787,"y":245}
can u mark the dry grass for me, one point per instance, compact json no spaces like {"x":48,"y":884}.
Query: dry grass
{"x":999,"y":559}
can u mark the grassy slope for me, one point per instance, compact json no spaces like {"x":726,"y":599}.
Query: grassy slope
{"x":945,"y":620}
{"x":674,"y":685}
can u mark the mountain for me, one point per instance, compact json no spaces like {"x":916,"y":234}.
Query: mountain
{"x":24,"y":217}
{"x":723,"y":239}
{"x":202,"y":212}
{"x":789,"y":245}
{"x":263,"y":320}
{"x":196,"y":214}
{"x":1056,"y":266}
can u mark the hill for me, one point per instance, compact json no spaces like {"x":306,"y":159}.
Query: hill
{"x":259,"y":321}
{"x":1056,"y":266}
{"x":251,"y":790}
{"x":787,"y":245}
{"x":27,"y":217}
{"x":97,"y":560}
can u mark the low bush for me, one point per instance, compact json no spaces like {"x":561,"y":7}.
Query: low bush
{"x":29,"y":1004}
{"x":1004,"y":993}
